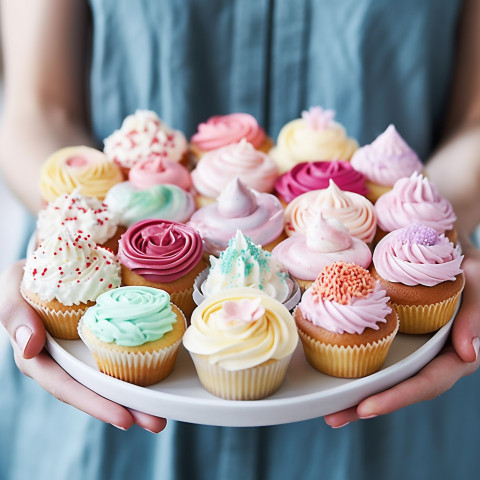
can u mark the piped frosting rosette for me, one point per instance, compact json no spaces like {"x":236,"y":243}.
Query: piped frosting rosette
{"x":258,"y":215}
{"x":387,"y":159}
{"x":354,"y":211}
{"x":315,"y":136}
{"x":165,"y":201}
{"x":326,"y":241}
{"x":78,"y":168}
{"x":218,"y":167}
{"x":241,"y":341}
{"x":222,"y":130}
{"x":78,"y":213}
{"x":141,"y":135}
{"x":422,"y":273}
{"x":414,"y":200}
{"x":154,"y":170}
{"x":307,"y":176}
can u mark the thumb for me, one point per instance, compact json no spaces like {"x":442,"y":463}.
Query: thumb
{"x":23,"y":325}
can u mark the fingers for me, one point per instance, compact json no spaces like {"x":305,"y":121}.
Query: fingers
{"x":148,"y":422}
{"x":24,"y":326}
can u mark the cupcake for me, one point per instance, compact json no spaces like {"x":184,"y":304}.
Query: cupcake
{"x":165,"y":255}
{"x":134,"y":334}
{"x":241,"y":341}
{"x":315,"y":136}
{"x":153,"y":170}
{"x":353,"y":210}
{"x":219,"y":167}
{"x":144,"y":135}
{"x":167,"y":202}
{"x":78,"y":168}
{"x":420,"y":271}
{"x":258,"y":215}
{"x":344,"y":322}
{"x":83,"y":215}
{"x":244,"y":264}
{"x":326,"y":241}
{"x":307,"y":176}
{"x":387,"y":159}
{"x":222,"y":130}
{"x":415,"y":200}
{"x":64,"y":276}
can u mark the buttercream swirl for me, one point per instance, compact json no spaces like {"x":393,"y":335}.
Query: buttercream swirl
{"x":131,"y":316}
{"x":154,"y":170}
{"x":239,"y":343}
{"x":143,"y":134}
{"x":326,"y":241}
{"x":218,"y":167}
{"x":414,"y":200}
{"x":164,"y":201}
{"x":400,"y":259}
{"x":77,"y":213}
{"x":82,"y":168}
{"x":307,"y":176}
{"x":310,"y":139}
{"x":222,"y":130}
{"x":387,"y":159}
{"x":160,"y":250}
{"x":258,"y":215}
{"x":354,"y":211}
{"x":244,"y":264}
{"x":71,"y":269}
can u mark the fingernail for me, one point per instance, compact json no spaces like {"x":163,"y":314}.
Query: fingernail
{"x":117,"y":426}
{"x":23,"y":335}
{"x":367,"y":417}
{"x":340,"y":426}
{"x":476,"y":346}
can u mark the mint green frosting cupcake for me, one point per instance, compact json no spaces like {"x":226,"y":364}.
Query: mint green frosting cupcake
{"x":131,"y":316}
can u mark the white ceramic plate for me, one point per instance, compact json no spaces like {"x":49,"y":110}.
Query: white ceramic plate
{"x":305,"y":394}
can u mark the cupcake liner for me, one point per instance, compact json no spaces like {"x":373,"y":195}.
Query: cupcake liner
{"x":139,"y":368}
{"x":249,"y":384}
{"x":199,"y":297}
{"x":184,"y":301}
{"x":418,"y":319}
{"x":59,"y":324}
{"x":346,"y":361}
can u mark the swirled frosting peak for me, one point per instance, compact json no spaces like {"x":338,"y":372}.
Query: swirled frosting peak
{"x":236,"y":200}
{"x":244,"y":264}
{"x":142,"y":134}
{"x":131,"y":316}
{"x":160,"y":250}
{"x":345,"y":298}
{"x":328,"y":235}
{"x":417,"y":255}
{"x":354,"y":211}
{"x":387,"y":159}
{"x":414,"y":200}
{"x":241,"y":328}
{"x":70,"y":268}
{"x":222,"y":130}
{"x":317,"y":118}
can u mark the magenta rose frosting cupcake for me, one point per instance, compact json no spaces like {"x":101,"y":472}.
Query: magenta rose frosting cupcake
{"x":307,"y":176}
{"x":326,"y":241}
{"x":163,"y":254}
{"x":415,"y":200}
{"x":387,"y":159}
{"x":258,"y":215}
{"x":218,"y":167}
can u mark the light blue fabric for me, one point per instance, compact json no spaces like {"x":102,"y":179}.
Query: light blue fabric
{"x":375,"y":62}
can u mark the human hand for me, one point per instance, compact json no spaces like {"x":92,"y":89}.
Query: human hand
{"x":27,"y":336}
{"x":456,"y":360}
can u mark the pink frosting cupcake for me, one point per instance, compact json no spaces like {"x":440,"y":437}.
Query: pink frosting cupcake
{"x":353,"y":210}
{"x":258,"y":215}
{"x":421,"y":272}
{"x":387,"y":159}
{"x":307,"y":176}
{"x":326,"y":241}
{"x":415,"y":200}
{"x":222,"y":130}
{"x":218,"y":167}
